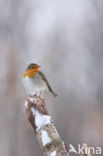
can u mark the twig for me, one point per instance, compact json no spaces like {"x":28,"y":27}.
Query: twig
{"x":86,"y":150}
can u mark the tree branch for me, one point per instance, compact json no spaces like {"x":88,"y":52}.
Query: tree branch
{"x":44,"y":128}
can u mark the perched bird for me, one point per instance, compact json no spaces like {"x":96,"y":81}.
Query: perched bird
{"x":35,"y":81}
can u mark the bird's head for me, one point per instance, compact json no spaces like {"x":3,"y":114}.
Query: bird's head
{"x":32,"y":66}
{"x":31,"y":70}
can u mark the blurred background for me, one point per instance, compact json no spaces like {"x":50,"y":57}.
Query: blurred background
{"x":66,"y":39}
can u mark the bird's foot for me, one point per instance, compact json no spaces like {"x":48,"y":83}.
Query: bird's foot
{"x":40,"y":95}
{"x":33,"y":96}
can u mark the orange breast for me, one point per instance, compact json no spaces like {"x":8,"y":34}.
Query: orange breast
{"x":30,"y":73}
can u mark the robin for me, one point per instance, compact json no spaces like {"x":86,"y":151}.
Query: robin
{"x":35,"y":81}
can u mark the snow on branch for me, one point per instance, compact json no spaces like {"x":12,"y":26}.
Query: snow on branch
{"x":42,"y":123}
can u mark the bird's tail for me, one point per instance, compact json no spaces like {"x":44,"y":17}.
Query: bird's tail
{"x":50,"y":89}
{"x":53,"y":93}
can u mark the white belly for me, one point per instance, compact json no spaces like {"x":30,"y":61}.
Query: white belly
{"x":34,"y":85}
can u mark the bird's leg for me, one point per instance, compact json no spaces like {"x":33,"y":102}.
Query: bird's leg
{"x":40,"y":94}
{"x":35,"y":95}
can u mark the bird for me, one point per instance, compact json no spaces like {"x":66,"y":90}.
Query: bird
{"x":35,"y":81}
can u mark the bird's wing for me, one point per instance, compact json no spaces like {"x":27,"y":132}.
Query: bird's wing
{"x":46,"y":81}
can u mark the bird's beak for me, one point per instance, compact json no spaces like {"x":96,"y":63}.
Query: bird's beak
{"x":39,"y":66}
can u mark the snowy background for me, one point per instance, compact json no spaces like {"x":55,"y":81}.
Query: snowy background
{"x":66,"y":39}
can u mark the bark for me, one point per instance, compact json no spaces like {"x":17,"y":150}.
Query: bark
{"x":42,"y":123}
